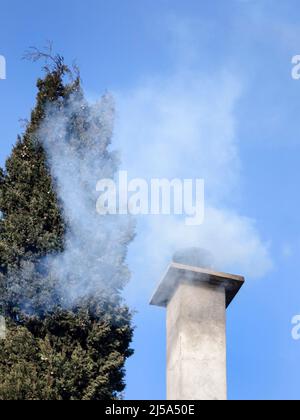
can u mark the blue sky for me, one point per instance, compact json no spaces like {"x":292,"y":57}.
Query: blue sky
{"x":225,"y":65}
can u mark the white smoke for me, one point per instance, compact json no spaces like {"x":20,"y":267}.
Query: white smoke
{"x":186,"y":126}
{"x":180,"y":127}
{"x":94,"y":258}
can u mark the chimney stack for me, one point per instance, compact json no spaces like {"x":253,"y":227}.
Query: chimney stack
{"x":196,"y":300}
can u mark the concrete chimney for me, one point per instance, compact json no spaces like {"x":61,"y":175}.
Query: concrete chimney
{"x":196,"y":300}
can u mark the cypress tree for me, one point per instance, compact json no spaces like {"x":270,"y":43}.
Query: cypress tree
{"x":57,"y":353}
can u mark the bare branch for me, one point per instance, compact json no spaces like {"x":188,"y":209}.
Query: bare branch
{"x":56,"y":61}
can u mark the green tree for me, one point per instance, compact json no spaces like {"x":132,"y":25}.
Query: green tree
{"x":52,"y":352}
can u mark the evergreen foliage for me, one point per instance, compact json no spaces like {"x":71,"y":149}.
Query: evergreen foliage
{"x":51,"y":354}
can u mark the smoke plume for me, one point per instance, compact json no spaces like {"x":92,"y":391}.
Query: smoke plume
{"x":76,"y":137}
{"x":95,"y":246}
{"x":185,"y":126}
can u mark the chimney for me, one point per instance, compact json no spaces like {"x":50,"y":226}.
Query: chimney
{"x":196,"y":299}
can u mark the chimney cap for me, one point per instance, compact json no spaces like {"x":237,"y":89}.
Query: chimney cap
{"x":180,"y":273}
